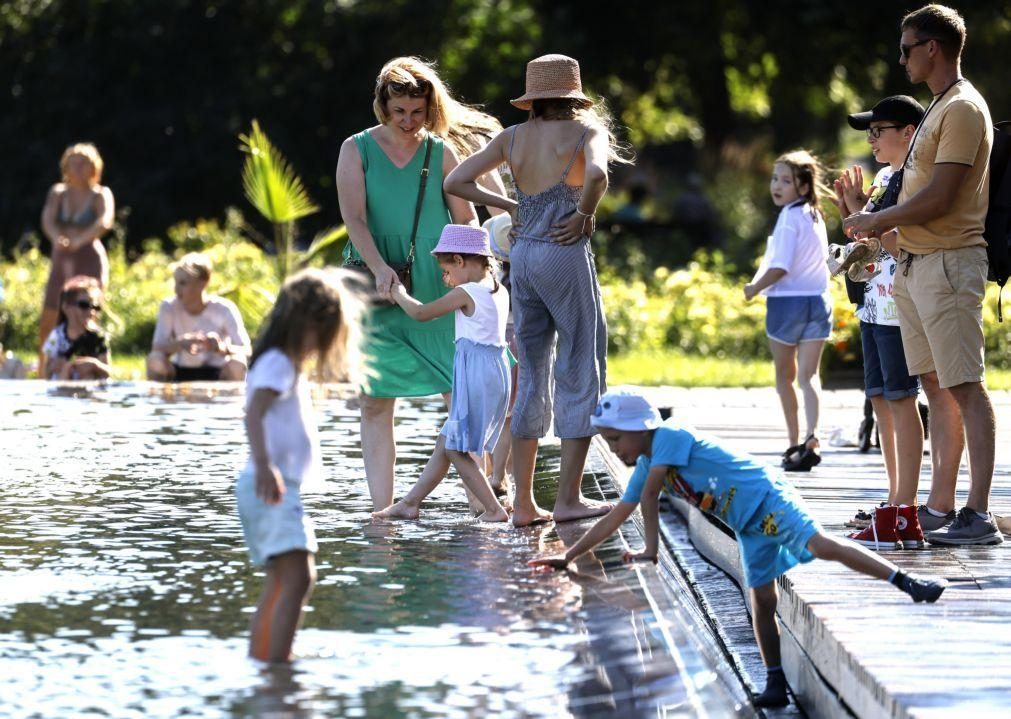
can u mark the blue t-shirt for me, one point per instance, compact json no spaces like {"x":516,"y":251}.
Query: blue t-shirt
{"x":728,"y":484}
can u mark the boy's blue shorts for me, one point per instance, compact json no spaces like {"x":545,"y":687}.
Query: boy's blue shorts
{"x":792,"y":320}
{"x":885,"y":372}
{"x":776,"y":537}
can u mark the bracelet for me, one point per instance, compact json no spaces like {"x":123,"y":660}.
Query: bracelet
{"x":584,"y":214}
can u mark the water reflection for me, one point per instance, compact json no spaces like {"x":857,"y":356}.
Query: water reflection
{"x":126,"y":589}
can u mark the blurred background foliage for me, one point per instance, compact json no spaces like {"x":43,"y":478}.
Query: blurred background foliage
{"x":707,"y":94}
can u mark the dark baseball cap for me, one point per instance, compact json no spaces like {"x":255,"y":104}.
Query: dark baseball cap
{"x":897,"y":108}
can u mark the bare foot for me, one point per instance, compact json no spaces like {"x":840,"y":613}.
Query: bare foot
{"x":397,"y":511}
{"x":525,"y":515}
{"x":499,"y":515}
{"x":581,"y":510}
{"x":503,"y":489}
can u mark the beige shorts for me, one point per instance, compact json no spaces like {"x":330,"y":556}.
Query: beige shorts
{"x":940,"y":302}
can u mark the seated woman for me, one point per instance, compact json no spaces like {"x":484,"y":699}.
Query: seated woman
{"x":77,"y":348}
{"x":198,"y":337}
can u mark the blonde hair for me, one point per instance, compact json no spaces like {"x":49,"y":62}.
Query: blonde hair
{"x":319,"y":301}
{"x":194,"y":264}
{"x":459,"y":124}
{"x":574,"y":108}
{"x":90,"y":153}
{"x":807,"y":170}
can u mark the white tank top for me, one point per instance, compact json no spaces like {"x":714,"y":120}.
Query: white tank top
{"x":487,"y":325}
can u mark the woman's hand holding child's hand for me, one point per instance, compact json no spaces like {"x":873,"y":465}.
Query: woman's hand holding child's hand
{"x":386,"y":281}
{"x":269,"y":483}
{"x":554,"y":561}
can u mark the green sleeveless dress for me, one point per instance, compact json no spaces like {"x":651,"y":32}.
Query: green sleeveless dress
{"x":404,"y":357}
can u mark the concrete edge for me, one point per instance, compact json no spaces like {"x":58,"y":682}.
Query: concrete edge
{"x":826,"y":680}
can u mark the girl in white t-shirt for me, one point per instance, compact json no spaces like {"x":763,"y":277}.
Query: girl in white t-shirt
{"x":794,"y":277}
{"x":481,"y":377}
{"x":313,"y":318}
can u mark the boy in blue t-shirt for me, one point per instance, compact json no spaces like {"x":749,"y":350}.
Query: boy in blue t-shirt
{"x":774,"y":531}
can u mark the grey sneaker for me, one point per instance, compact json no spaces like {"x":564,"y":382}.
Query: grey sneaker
{"x":967,"y":528}
{"x":930,"y":523}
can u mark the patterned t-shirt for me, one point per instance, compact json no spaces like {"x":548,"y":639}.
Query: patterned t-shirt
{"x":728,"y":484}
{"x":879,"y":305}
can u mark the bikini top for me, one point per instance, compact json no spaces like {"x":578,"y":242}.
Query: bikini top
{"x":538,"y":213}
{"x":85,"y":217}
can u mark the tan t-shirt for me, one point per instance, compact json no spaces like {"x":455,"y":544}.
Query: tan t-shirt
{"x":956,"y":130}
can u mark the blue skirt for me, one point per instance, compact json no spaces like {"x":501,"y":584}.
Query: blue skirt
{"x":481,"y":385}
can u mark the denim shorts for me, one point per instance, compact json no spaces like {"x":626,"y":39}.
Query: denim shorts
{"x":775,"y":538}
{"x":273,"y":529}
{"x":791,"y":320}
{"x":885,"y":370}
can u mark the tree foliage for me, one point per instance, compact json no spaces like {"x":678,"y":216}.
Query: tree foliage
{"x":164,"y":86}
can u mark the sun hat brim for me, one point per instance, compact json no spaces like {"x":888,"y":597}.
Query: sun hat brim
{"x":525,"y":101}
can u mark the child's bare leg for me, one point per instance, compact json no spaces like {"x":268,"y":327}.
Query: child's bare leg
{"x":809,"y":381}
{"x":570,"y":504}
{"x":259,"y":625}
{"x":525,"y":509}
{"x":501,"y":459}
{"x":292,"y":576}
{"x":854,"y":556}
{"x":886,"y":433}
{"x":764,"y":599}
{"x":784,"y":360}
{"x":474,"y":479}
{"x":850,"y":554}
{"x":431,"y":476}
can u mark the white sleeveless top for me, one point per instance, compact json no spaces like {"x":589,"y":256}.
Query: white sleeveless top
{"x":487,"y":325}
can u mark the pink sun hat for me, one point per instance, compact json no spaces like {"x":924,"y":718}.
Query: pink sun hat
{"x":463,"y":240}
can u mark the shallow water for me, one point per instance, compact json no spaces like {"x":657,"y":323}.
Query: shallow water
{"x":125,"y":589}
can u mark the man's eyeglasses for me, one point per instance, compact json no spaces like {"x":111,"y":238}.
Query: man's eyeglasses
{"x":875,"y":132}
{"x":906,"y":49}
{"x":87,"y":305}
{"x":418,"y":88}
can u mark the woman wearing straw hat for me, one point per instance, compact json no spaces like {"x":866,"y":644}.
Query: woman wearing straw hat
{"x":381,"y":197}
{"x":559,"y":162}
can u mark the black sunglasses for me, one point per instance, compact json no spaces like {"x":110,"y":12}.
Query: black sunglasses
{"x":906,"y":49}
{"x":87,"y":305}
{"x":418,"y":88}
{"x":875,"y":132}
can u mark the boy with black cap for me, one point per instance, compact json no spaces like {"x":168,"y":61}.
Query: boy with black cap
{"x":890,"y":126}
{"x":774,"y":531}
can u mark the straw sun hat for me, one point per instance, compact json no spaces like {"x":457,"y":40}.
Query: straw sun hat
{"x":550,"y":77}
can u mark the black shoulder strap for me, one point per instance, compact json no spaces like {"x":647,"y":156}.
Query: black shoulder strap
{"x":421,"y":197}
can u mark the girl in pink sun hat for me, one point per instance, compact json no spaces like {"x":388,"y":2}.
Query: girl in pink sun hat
{"x":481,"y":377}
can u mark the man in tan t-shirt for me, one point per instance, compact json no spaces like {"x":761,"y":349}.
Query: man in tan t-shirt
{"x":942,"y":271}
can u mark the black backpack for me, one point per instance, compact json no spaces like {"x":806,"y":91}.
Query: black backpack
{"x":997,"y":231}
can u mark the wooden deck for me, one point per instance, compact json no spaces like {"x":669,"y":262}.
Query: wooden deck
{"x":853,"y":645}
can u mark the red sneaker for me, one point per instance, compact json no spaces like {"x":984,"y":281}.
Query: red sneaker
{"x":883,"y":532}
{"x":908,"y":526}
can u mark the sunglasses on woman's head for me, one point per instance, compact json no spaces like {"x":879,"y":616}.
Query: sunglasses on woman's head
{"x":418,"y":88}
{"x":87,"y":305}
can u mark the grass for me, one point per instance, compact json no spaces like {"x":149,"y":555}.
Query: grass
{"x":663,"y":367}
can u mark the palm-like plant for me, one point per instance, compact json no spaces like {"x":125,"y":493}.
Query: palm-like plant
{"x":278,"y":193}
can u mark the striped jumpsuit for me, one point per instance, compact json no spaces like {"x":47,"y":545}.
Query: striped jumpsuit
{"x":556,"y":301}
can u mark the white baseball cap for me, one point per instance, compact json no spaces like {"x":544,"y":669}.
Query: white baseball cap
{"x":625,"y":410}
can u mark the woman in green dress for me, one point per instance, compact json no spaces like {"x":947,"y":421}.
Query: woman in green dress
{"x":378,"y":176}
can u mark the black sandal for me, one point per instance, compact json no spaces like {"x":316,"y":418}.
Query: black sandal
{"x":807,"y":458}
